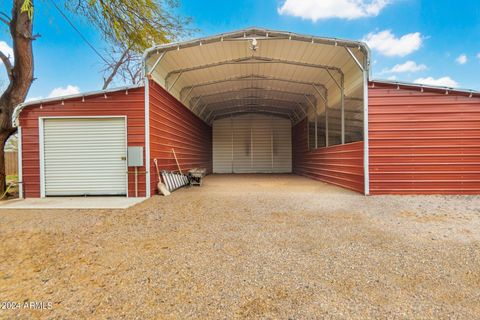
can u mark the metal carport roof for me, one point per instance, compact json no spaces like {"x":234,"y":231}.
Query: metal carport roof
{"x":263,"y":70}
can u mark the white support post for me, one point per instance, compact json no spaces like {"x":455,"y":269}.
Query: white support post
{"x":20,"y":163}
{"x":341,"y":87}
{"x":251,"y":147}
{"x":316,"y":120}
{"x":41,"y":140}
{"x":136,"y":182}
{"x":147,"y":138}
{"x":308,"y":135}
{"x":342,"y":109}
{"x":326,"y":125}
{"x":366,"y":160}
{"x":271,"y":144}
{"x":325,"y":101}
{"x":232,"y":141}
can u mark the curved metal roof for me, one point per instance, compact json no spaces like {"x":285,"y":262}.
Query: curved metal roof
{"x":272,"y":70}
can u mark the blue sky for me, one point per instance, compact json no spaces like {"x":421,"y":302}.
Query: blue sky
{"x":429,"y":41}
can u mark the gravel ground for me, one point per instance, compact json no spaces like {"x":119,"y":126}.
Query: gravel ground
{"x":248,"y":246}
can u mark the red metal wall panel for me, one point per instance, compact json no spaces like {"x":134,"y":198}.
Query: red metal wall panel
{"x":341,"y":165}
{"x":174,"y":126}
{"x":423,"y":142}
{"x":117,"y":103}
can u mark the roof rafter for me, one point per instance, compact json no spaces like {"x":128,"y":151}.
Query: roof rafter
{"x":258,"y":89}
{"x":249,"y":109}
{"x":253,"y":77}
{"x":252,"y":98}
{"x":219,"y":105}
{"x":260,"y":111}
{"x":253,"y":60}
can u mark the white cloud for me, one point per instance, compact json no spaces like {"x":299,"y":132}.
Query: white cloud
{"x":388,"y":44}
{"x":7,"y":50}
{"x":443,"y":82}
{"x":392,"y":78}
{"x":478,"y":55}
{"x":57,"y":92}
{"x":64,"y":91}
{"x":462,"y":59}
{"x":33,"y":98}
{"x":409,"y":66}
{"x":324,"y":9}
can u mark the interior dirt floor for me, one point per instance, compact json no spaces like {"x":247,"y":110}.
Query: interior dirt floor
{"x":247,"y":246}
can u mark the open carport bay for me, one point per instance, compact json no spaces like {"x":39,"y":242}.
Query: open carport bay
{"x":260,"y":101}
{"x":249,"y":246}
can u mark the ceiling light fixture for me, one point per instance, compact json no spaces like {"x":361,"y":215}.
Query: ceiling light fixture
{"x":254,"y":45}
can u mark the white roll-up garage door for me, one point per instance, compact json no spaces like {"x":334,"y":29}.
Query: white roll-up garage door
{"x":252,"y":143}
{"x":84,"y":156}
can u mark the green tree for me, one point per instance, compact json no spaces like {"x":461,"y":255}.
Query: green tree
{"x":135,"y":24}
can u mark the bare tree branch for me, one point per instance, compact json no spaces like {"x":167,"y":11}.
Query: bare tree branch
{"x":5,"y":15}
{"x":114,"y":69}
{"x":7,"y":22}
{"x":8,"y":65}
{"x":124,"y":64}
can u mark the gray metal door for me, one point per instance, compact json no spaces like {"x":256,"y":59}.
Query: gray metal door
{"x":252,"y":143}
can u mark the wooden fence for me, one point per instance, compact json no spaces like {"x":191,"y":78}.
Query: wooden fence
{"x":11,"y":163}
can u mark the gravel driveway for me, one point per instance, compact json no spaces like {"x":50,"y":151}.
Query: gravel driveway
{"x":248,"y":246}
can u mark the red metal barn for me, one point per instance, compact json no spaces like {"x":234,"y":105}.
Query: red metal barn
{"x":254,"y":101}
{"x":117,"y":116}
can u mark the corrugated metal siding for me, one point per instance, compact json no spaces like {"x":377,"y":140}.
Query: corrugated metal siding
{"x":222,"y":135}
{"x":423,"y":142}
{"x":262,"y":157}
{"x":282,"y":146}
{"x":173,"y":126}
{"x":85,"y":156}
{"x":117,"y":104}
{"x":242,"y":145}
{"x":252,"y":143}
{"x":341,"y":165}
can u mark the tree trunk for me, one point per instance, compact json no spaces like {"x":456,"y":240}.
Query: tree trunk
{"x":20,"y":76}
{"x":3,"y":177}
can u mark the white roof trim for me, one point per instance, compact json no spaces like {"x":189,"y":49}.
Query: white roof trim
{"x":425,"y":86}
{"x":269,"y":34}
{"x":18,"y":109}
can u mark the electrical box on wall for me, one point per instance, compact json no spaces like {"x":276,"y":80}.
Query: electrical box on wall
{"x":135,"y":156}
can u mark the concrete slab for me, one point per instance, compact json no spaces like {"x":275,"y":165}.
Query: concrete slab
{"x":72,"y":203}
